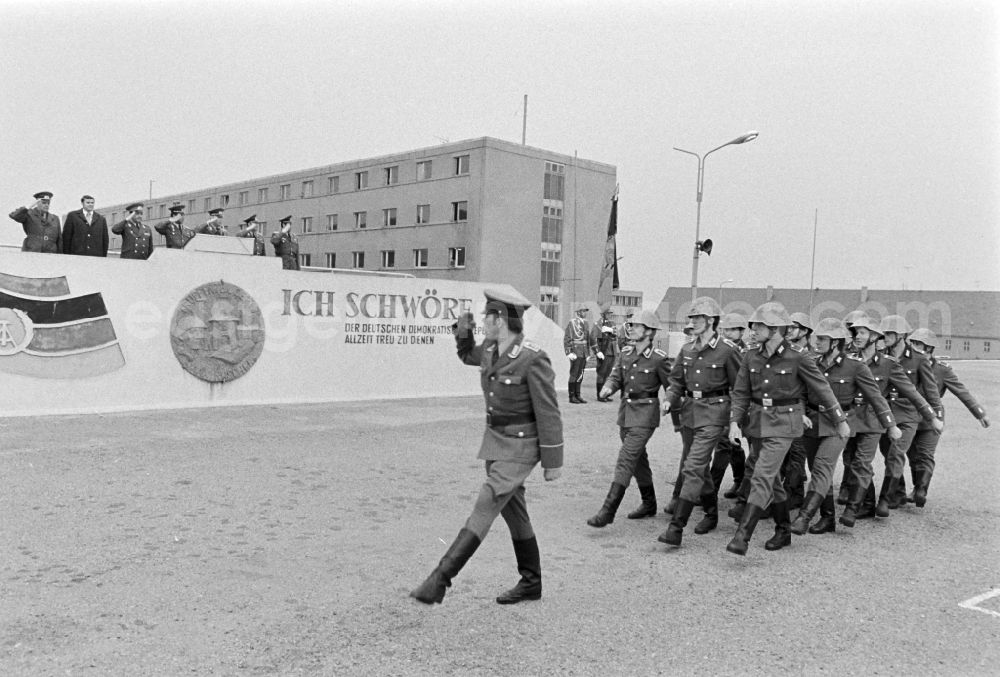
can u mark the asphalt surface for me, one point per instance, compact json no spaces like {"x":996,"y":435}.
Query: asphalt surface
{"x":284,"y":541}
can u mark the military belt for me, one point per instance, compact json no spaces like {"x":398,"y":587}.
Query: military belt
{"x":640,"y":396}
{"x":700,"y":394}
{"x":768,"y":402}
{"x":502,"y":420}
{"x":816,"y":412}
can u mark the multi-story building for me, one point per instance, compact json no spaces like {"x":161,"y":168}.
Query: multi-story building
{"x":482,"y":209}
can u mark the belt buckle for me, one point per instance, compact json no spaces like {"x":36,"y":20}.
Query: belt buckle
{"x":489,"y":420}
{"x":767,"y":402}
{"x":696,"y":394}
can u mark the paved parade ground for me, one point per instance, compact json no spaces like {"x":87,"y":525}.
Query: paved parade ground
{"x":283,"y":540}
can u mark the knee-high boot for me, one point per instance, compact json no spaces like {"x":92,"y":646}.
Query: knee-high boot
{"x":827,"y":522}
{"x":921,"y":485}
{"x":674,"y":532}
{"x":782,"y":524}
{"x":648,"y":506}
{"x":606,"y":515}
{"x":676,"y":494}
{"x":530,"y":567}
{"x":853,"y":510}
{"x":710,"y":502}
{"x":867,"y":510}
{"x":889,"y":485}
{"x":806,"y":513}
{"x":736,"y":512}
{"x":744,"y":532}
{"x":431,"y":591}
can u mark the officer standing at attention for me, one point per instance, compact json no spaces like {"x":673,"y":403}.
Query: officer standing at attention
{"x":252,"y":229}
{"x":137,"y":237}
{"x":607,"y":345}
{"x":42,"y":230}
{"x":640,"y":373}
{"x":173,"y":228}
{"x":703,"y":375}
{"x":286,"y":245}
{"x":578,"y":344}
{"x":214,"y":224}
{"x":523,"y":428}
{"x":773,"y":380}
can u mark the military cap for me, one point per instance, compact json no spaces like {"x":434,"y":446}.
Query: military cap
{"x":732,"y":321}
{"x":42,"y":195}
{"x":925,"y":336}
{"x":867,"y":323}
{"x":504,"y":303}
{"x":287,"y":219}
{"x":802,"y":320}
{"x":772,"y":314}
{"x":896,"y":324}
{"x":250,"y":219}
{"x":176,"y":209}
{"x":646,"y":318}
{"x":582,"y":308}
{"x":216,"y":211}
{"x":705,"y":305}
{"x":831,"y":327}
{"x":134,"y":206}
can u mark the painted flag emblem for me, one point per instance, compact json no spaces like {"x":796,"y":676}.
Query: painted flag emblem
{"x":47,"y":333}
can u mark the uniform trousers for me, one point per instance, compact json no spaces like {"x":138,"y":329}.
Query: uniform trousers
{"x":859,"y":454}
{"x":822,"y":454}
{"x":576,"y":368}
{"x":895,"y":450}
{"x":921,"y":452}
{"x":699,"y":443}
{"x":766,"y":485}
{"x":794,"y":468}
{"x":604,"y":368}
{"x":502,"y":494}
{"x":632,"y":457}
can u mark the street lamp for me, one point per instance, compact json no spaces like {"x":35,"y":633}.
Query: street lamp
{"x":700,"y":246}
{"x":720,"y":290}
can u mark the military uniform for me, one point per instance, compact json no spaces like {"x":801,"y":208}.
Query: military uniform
{"x":286,"y":245}
{"x":258,"y":241}
{"x":42,"y":230}
{"x":176,"y":234}
{"x":605,"y":342}
{"x":578,"y":341}
{"x":137,"y":239}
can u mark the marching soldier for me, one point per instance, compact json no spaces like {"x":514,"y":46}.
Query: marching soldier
{"x":640,"y":373}
{"x":846,"y":481}
{"x":793,"y":471}
{"x":603,"y":336}
{"x":701,"y":377}
{"x":137,"y":237}
{"x":286,"y":245}
{"x":578,"y":344}
{"x":732,"y":326}
{"x":41,"y":229}
{"x":214,"y":224}
{"x":174,"y":230}
{"x":523,"y":428}
{"x":252,"y":229}
{"x":772,"y":382}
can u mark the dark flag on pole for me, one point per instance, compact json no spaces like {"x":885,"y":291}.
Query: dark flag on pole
{"x":609,"y":270}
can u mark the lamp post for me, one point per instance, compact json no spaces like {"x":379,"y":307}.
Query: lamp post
{"x":724,"y":282}
{"x":749,"y":136}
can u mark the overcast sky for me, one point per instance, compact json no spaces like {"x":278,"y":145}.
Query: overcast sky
{"x":883,"y":116}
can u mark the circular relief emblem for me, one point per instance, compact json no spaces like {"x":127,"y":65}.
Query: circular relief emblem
{"x":16,"y":331}
{"x":217,"y":332}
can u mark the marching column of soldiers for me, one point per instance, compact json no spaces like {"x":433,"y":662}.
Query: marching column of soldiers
{"x":85,"y":232}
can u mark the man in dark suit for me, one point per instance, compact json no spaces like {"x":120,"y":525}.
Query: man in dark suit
{"x":85,"y":232}
{"x":41,"y":229}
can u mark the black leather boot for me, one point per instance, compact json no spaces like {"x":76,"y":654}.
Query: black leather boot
{"x":853,"y":510}
{"x":922,"y":483}
{"x":744,"y":532}
{"x":672,"y":536}
{"x":572,"y":392}
{"x":888,"y":487}
{"x":530,"y":567}
{"x":710,"y":502}
{"x":806,"y":513}
{"x":782,"y":524}
{"x":431,"y":591}
{"x":734,"y":490}
{"x":606,"y":515}
{"x":736,"y":512}
{"x":897,"y":497}
{"x":579,"y":398}
{"x":827,"y":522}
{"x":648,"y":506}
{"x":867,"y":510}
{"x":846,"y":485}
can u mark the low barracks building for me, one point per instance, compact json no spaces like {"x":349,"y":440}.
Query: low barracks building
{"x":482,"y":210}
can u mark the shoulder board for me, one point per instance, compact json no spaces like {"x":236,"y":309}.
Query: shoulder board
{"x":796,"y":348}
{"x":659,"y":352}
{"x":729,"y":343}
{"x":852,"y":356}
{"x":942,"y":362}
{"x":528,"y":345}
{"x":891,"y":358}
{"x":628,"y":349}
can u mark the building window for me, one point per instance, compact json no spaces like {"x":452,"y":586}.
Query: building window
{"x":307,"y":189}
{"x":361,"y":220}
{"x":388,"y":258}
{"x":261,"y":195}
{"x":461,"y":164}
{"x":305,"y":259}
{"x":986,"y":346}
{"x":360,"y":180}
{"x":190,"y":206}
{"x":460,"y":211}
{"x":947,"y":344}
{"x":332,"y":184}
{"x":391,"y":175}
{"x":331,"y":259}
{"x":419,"y":258}
{"x":965,"y":346}
{"x":262,"y":226}
{"x":307,"y":224}
{"x":331,"y":222}
{"x":358,"y":259}
{"x":423,"y":170}
{"x":223,"y":200}
{"x":208,"y":203}
{"x":550,"y":273}
{"x":163,"y":210}
{"x":389,"y":217}
{"x":244,"y":197}
{"x":456,"y":257}
{"x":423,"y":213}
{"x":552,"y":225}
{"x":285,"y":191}
{"x":555,"y":181}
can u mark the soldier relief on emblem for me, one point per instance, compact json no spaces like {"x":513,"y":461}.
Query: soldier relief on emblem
{"x":217,"y":332}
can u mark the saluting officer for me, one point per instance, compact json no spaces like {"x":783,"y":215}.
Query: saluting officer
{"x":925,"y":441}
{"x":174,"y":230}
{"x":639,"y":373}
{"x":137,"y":237}
{"x":607,"y":346}
{"x":286,"y":245}
{"x":252,"y":229}
{"x":523,"y":428}
{"x":773,"y":380}
{"x":214,"y":224}
{"x":41,"y":229}
{"x":701,"y":378}
{"x":578,"y":344}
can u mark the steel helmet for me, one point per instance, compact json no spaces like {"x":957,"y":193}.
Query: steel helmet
{"x":925,"y":336}
{"x":896,"y":324}
{"x":854,"y":316}
{"x":705,"y":305}
{"x":831,"y":328}
{"x":647,"y":318}
{"x":868,"y":323}
{"x":803,"y":320}
{"x":772,"y":314}
{"x":732,"y":321}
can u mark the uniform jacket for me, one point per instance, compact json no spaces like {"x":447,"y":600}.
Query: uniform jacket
{"x":918,"y":368}
{"x":946,"y":380}
{"x":890,"y":377}
{"x":211,"y":229}
{"x":577,"y":338}
{"x":770,"y":391}
{"x":177,"y":234}
{"x":522,"y":415}
{"x":605,"y":341}
{"x":287,"y":247}
{"x":41,"y":228}
{"x":856,"y":391}
{"x":701,"y":379}
{"x":258,"y":241}
{"x":82,"y":238}
{"x":137,"y":239}
{"x":639,"y":376}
